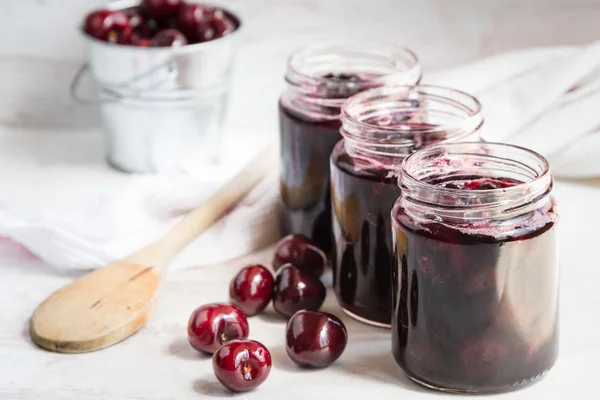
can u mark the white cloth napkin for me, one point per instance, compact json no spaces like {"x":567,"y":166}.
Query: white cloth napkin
{"x":544,"y":99}
{"x":83,"y":216}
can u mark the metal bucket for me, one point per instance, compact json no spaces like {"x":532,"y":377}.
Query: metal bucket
{"x":162,"y":108}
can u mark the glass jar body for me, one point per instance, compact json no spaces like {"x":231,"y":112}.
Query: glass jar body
{"x":380,"y":128}
{"x":306,"y":145}
{"x":475,"y":290}
{"x":362,"y":196}
{"x":320,"y":79}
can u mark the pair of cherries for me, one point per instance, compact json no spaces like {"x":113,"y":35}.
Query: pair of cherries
{"x":160,"y":23}
{"x":313,"y":338}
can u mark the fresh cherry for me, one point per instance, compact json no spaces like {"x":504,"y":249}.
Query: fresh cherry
{"x":251,"y":289}
{"x":161,"y":9}
{"x":192,"y":18}
{"x":169,"y":38}
{"x":315,"y":339}
{"x":221,"y":24}
{"x":296,"y":290}
{"x":242,"y":365}
{"x":110,"y":26}
{"x":142,"y":28}
{"x":143,"y":43}
{"x":302,"y":252}
{"x":212,"y":325}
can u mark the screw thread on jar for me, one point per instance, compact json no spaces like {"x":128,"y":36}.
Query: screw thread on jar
{"x":320,"y":78}
{"x":424,"y":198}
{"x":389,"y":123}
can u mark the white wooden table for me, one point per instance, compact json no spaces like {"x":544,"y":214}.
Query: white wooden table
{"x":158,"y":363}
{"x":38,"y":56}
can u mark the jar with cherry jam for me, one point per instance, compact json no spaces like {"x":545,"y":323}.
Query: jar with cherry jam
{"x":475,"y":268}
{"x":380,"y":128}
{"x":319,"y":79}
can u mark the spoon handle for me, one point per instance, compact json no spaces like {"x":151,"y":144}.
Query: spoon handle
{"x":161,"y":252}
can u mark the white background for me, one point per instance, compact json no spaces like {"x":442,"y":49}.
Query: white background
{"x":40,"y":51}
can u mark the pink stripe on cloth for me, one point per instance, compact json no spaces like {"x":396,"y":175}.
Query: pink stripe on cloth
{"x":15,"y":249}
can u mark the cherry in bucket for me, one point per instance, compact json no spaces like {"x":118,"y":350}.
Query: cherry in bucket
{"x":160,"y":23}
{"x":299,"y":250}
{"x":296,"y":290}
{"x":168,"y":38}
{"x":110,"y":26}
{"x":242,"y":365}
{"x":221,"y":24}
{"x":161,"y":9}
{"x":192,"y":18}
{"x":251,"y":289}
{"x":315,"y":339}
{"x":202,"y":23}
{"x":142,"y":28}
{"x":212,"y":325}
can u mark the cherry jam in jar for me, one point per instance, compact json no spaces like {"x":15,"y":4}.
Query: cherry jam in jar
{"x":475,"y":268}
{"x":380,"y":128}
{"x":319,"y":79}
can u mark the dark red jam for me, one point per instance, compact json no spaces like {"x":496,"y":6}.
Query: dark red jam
{"x":306,"y":144}
{"x":363,"y":196}
{"x":475,"y":305}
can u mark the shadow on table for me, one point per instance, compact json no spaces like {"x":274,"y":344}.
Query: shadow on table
{"x":367,"y":356}
{"x":26,"y":334}
{"x":379,"y":367}
{"x":283,"y":362}
{"x":181,"y":348}
{"x":271,"y":316}
{"x":211,"y":387}
{"x":38,"y":267}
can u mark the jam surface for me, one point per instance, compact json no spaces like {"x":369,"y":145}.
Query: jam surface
{"x":475,"y":307}
{"x":306,"y":145}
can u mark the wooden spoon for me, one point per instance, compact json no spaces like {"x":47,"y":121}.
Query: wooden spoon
{"x":113,"y":302}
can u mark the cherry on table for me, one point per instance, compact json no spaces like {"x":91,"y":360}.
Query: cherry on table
{"x":251,"y":289}
{"x":296,"y":290}
{"x":169,"y":38}
{"x":212,"y":325}
{"x":242,"y":365}
{"x":315,"y":339}
{"x":299,"y":250}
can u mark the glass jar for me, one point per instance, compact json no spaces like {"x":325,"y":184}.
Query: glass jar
{"x":380,"y":128}
{"x":319,"y":79}
{"x":475,"y":268}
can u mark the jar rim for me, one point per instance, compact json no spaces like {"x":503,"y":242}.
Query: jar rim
{"x":463,"y":99}
{"x":421,"y":154}
{"x":499,"y":160}
{"x":416,"y":116}
{"x":397,"y":50}
{"x":380,"y":62}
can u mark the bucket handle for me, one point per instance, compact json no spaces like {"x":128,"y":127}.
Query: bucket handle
{"x":75,"y":92}
{"x":114,"y":95}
